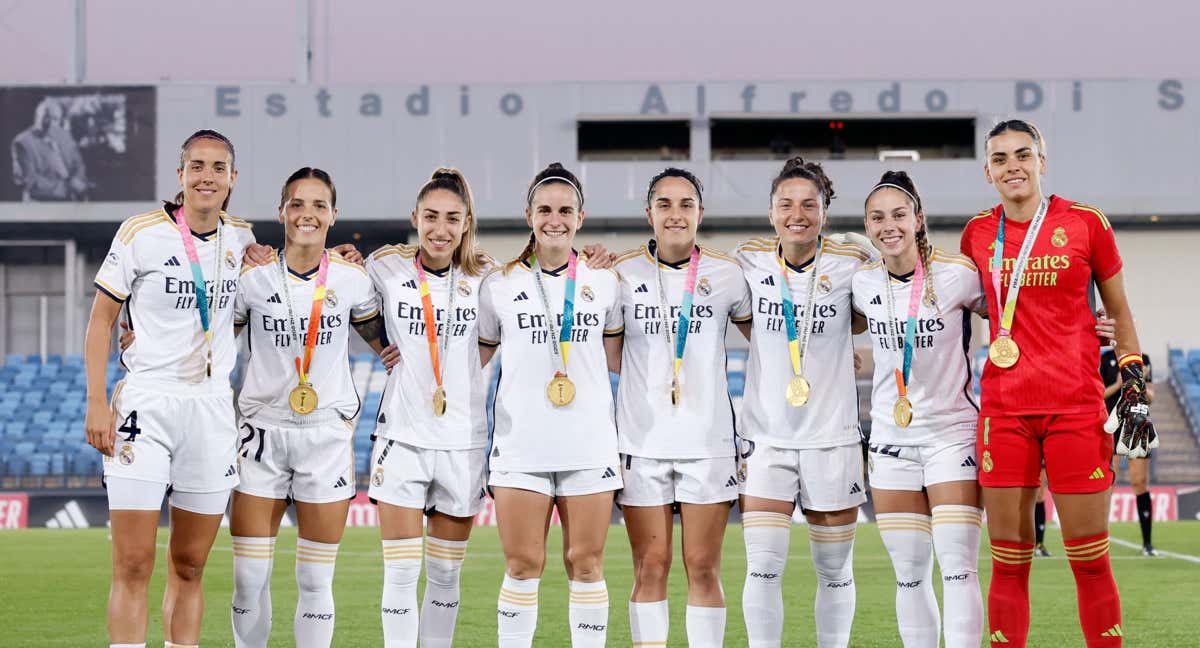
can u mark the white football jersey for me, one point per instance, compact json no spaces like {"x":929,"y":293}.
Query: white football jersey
{"x":406,"y":411}
{"x":939,"y":384}
{"x":830,"y":418}
{"x":147,"y":269}
{"x":531,"y":434}
{"x":262,"y":306}
{"x":701,"y":425}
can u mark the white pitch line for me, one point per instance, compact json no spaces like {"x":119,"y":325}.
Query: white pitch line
{"x":1161,"y":552}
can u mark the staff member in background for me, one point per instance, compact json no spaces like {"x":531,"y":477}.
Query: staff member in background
{"x":557,"y":322}
{"x":171,"y":421}
{"x":674,"y":419}
{"x":799,"y":420}
{"x":1042,"y":396}
{"x":1139,"y":468}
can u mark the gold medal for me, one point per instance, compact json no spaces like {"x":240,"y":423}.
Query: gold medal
{"x":439,"y":401}
{"x":798,"y":390}
{"x":1004,"y":352}
{"x":675,"y":393}
{"x":560,"y":391}
{"x":902,"y":412}
{"x":303,"y":399}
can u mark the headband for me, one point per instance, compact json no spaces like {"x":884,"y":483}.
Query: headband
{"x":882,"y":185}
{"x":529,"y":196}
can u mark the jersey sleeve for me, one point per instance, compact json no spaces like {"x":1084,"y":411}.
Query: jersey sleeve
{"x":614,"y":317}
{"x":367,"y":308}
{"x":118,"y":271}
{"x":973,"y":297}
{"x":856,"y":291}
{"x":488,"y":326}
{"x":1105,"y":259}
{"x":739,"y":310}
{"x":241,"y":305}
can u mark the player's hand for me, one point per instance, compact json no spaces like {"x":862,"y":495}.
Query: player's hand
{"x":1106,"y":328}
{"x":1130,"y":419}
{"x":390,"y":357}
{"x":598,"y":256}
{"x":349,"y":253}
{"x":857,"y":361}
{"x":257,"y":255}
{"x":99,"y":423}
{"x":127,"y":336}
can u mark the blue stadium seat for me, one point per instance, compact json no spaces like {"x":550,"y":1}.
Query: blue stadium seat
{"x":43,"y":416}
{"x":39,"y":465}
{"x":737,"y":384}
{"x":73,"y":361}
{"x":58,"y":464}
{"x":24,"y":448}
{"x":14,"y":359}
{"x":23,"y":380}
{"x":33,"y":359}
{"x":59,"y":387}
{"x":16,"y":465}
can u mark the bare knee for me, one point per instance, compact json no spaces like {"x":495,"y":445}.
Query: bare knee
{"x":525,"y":567}
{"x":583,"y":565}
{"x":652,"y":568}
{"x":703,"y":570}
{"x":134,"y":567}
{"x":189,"y":566}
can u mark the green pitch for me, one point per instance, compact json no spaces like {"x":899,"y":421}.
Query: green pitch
{"x":54,"y":586}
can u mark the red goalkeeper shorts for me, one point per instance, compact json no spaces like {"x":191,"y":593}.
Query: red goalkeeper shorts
{"x":1075,"y":448}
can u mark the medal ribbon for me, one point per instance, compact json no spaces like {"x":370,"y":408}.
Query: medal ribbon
{"x":563,"y":349}
{"x":915,"y":289}
{"x":1014,"y":282}
{"x":314,"y":317}
{"x":685,"y":311}
{"x":437,"y":341}
{"x":189,"y":247}
{"x":798,"y":341}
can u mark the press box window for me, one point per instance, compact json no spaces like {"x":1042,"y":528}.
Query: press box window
{"x":842,"y":137}
{"x":633,"y":139}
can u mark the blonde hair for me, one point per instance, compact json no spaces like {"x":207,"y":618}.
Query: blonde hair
{"x":465,"y":256}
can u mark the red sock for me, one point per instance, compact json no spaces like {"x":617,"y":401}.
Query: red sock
{"x":1096,"y":591}
{"x":1008,"y":594}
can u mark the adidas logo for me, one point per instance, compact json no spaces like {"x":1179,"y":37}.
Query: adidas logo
{"x":1098,"y":473}
{"x":609,"y":472}
{"x":274,"y":299}
{"x":231,"y":472}
{"x":877,"y":301}
{"x":410,"y":284}
{"x":769,"y":281}
{"x":969,"y":462}
{"x":998,"y":637}
{"x":521,"y":296}
{"x":382,"y":417}
{"x":641,"y":289}
{"x":70,"y":516}
{"x":1114,"y":631}
{"x":172,"y":262}
{"x":341,"y":483}
{"x":854,"y":489}
{"x":731,"y":483}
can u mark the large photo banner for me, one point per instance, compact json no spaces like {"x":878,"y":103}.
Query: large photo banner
{"x":77,"y":144}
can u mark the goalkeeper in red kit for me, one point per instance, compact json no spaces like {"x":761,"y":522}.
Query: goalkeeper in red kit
{"x":1042,"y":396}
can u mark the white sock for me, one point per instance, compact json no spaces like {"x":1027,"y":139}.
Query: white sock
{"x":253,"y":560}
{"x":439,"y":610}
{"x":313,"y":624}
{"x":909,"y":541}
{"x":833,"y":559}
{"x":705,"y":626}
{"x":767,"y":537}
{"x":168,"y":644}
{"x":588,"y":614}
{"x":648,"y":623}
{"x":956,"y":542}
{"x":516,"y":612}
{"x":401,"y":570}
{"x":141,"y":645}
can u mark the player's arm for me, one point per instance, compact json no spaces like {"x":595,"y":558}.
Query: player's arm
{"x":858,"y":322}
{"x":99,"y":420}
{"x":1113,"y":388}
{"x":486,"y":351}
{"x":371,"y":332}
{"x":745,"y":327}
{"x":613,"y":346}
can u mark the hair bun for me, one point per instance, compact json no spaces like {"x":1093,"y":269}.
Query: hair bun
{"x":557,"y":166}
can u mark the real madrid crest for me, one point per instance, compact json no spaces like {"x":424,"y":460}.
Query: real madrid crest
{"x":331,"y":299}
{"x":464,"y":288}
{"x":741,"y":473}
{"x":987,"y":461}
{"x":126,"y":455}
{"x":1059,"y":237}
{"x":230,"y":262}
{"x":704,"y":287}
{"x":824,"y":285}
{"x":588,"y":294}
{"x":377,"y":478}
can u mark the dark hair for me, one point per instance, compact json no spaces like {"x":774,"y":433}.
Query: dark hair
{"x":304,"y":173}
{"x":207,"y":134}
{"x":554,"y":174}
{"x":924,"y":247}
{"x":797,"y":168}
{"x":449,"y":179}
{"x":674,"y":172}
{"x":1022,"y":126}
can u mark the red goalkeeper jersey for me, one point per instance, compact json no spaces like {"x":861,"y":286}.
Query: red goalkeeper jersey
{"x":1054,"y":325}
